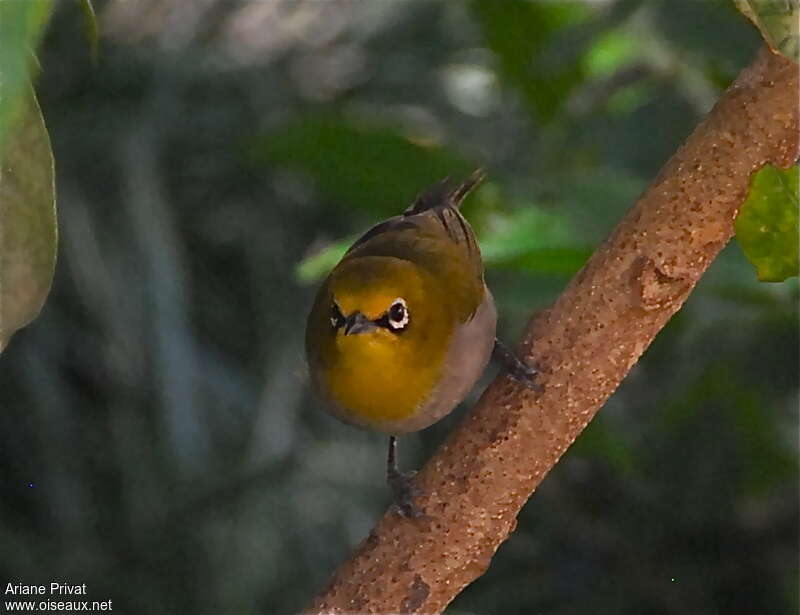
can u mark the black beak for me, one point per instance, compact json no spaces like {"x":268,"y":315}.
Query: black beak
{"x":358,"y":323}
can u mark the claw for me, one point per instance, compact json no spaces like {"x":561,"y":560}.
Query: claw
{"x":519,"y":371}
{"x":404,"y":490}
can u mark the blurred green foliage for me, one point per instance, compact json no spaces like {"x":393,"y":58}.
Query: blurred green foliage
{"x":157,"y":438}
{"x":358,"y":165}
{"x":543,"y":79}
{"x":27,"y":193}
{"x":21,"y":24}
{"x":767,"y":224}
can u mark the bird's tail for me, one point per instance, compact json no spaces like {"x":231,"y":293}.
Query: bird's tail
{"x":446,"y":193}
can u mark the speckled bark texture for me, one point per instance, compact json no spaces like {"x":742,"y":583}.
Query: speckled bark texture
{"x":584,"y":345}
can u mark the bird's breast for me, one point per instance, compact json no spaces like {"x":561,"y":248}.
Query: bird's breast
{"x":372,"y":385}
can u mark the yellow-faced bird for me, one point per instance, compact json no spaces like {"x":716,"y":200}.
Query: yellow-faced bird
{"x":404,"y":325}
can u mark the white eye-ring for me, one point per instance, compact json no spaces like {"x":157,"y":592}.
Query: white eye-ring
{"x":397,"y":315}
{"x":337,"y":319}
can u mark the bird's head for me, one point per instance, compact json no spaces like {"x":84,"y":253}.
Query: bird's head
{"x":378,"y":334}
{"x":378,"y":305}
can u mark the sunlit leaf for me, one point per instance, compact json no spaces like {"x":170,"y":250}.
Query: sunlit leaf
{"x":778,"y":21}
{"x":27,"y":221}
{"x":21,"y":23}
{"x":373,"y":169}
{"x":767,"y":225}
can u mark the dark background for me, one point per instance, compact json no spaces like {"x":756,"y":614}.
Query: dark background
{"x":157,"y":437}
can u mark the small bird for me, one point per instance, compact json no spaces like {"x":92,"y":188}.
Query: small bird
{"x":404,"y":325}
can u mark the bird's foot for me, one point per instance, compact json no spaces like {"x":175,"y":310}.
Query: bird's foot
{"x":518,"y":370}
{"x":404,"y":490}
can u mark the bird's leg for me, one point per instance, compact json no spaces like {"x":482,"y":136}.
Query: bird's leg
{"x":402,"y":484}
{"x":513,"y":365}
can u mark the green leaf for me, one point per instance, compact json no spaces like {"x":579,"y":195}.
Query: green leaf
{"x":370,"y":168}
{"x":28,"y":234}
{"x":521,"y":33}
{"x":778,"y":21}
{"x":610,"y":51}
{"x":317,"y":265}
{"x":534,"y":240}
{"x":21,"y":24}
{"x":767,"y":224}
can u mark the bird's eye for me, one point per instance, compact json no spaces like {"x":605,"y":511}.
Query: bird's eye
{"x":397,"y":317}
{"x":337,"y":319}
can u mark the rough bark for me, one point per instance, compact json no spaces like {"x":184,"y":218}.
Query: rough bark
{"x":478,"y":480}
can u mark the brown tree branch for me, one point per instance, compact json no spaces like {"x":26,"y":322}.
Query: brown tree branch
{"x":585,"y":344}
